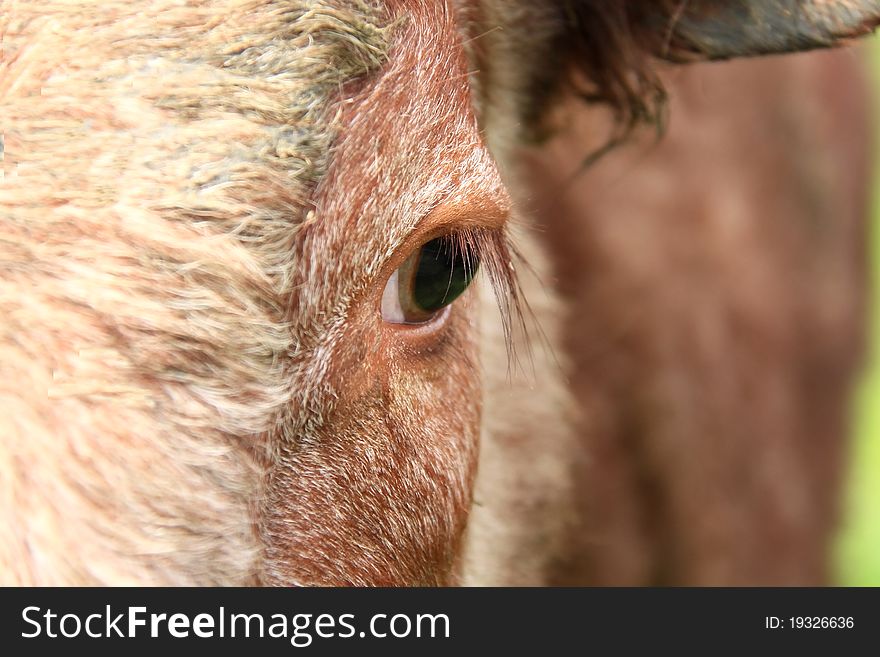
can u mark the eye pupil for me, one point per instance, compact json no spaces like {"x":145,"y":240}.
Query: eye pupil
{"x":443,"y":273}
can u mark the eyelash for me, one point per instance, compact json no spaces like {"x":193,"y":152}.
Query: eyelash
{"x":496,"y":254}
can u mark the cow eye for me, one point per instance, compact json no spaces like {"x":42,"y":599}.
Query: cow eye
{"x":433,"y":277}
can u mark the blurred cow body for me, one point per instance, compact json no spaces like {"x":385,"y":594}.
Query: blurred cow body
{"x":204,"y":205}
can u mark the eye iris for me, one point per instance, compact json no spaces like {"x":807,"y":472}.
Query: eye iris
{"x":430,"y":279}
{"x":444,"y":271}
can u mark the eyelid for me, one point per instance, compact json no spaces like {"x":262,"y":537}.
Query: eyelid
{"x":478,"y":213}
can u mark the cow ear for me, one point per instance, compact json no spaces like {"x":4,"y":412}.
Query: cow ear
{"x":682,"y":30}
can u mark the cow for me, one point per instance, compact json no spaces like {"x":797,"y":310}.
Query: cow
{"x":361,"y":292}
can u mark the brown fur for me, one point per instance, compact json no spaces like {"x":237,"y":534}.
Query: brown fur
{"x":201,"y":204}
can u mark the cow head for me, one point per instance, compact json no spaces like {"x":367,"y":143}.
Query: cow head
{"x":237,"y":341}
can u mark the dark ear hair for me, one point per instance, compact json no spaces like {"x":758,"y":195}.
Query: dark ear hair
{"x":603,"y":48}
{"x":721,"y":29}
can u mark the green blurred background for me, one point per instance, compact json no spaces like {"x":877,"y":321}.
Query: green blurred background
{"x":858,"y":553}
